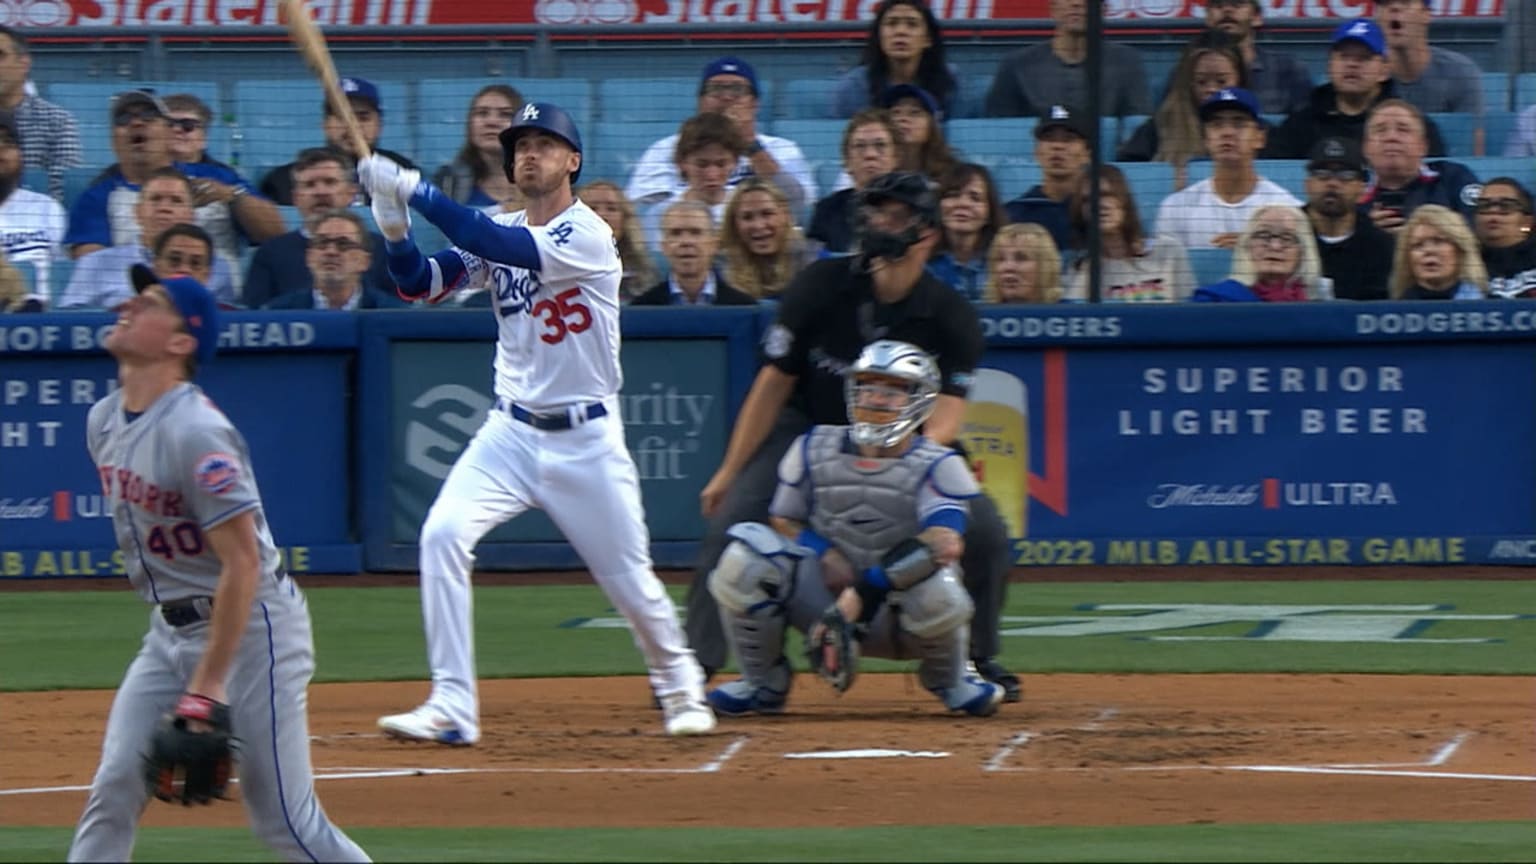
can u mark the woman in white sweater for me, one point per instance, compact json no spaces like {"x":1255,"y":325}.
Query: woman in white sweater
{"x":1136,"y":268}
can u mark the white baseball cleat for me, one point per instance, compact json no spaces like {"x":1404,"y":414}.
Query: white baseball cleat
{"x":686,"y":714}
{"x":423,"y":724}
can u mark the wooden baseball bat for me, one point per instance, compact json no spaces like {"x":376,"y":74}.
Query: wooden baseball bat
{"x":310,"y":41}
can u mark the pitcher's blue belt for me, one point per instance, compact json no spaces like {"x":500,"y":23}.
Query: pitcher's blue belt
{"x":558,"y":422}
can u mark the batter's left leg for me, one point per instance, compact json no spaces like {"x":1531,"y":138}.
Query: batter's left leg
{"x":591,"y":491}
{"x":268,"y":693}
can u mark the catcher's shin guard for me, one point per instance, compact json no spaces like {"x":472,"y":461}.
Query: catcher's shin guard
{"x":753,"y":583}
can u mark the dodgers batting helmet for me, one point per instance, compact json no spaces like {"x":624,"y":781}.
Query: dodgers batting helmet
{"x":540,"y":117}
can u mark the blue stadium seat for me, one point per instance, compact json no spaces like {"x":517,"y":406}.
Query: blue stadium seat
{"x":59,"y":273}
{"x":615,"y":147}
{"x":1150,"y":183}
{"x":1210,"y":265}
{"x":28,"y":273}
{"x":1525,"y":90}
{"x":805,"y":99}
{"x":989,"y":139}
{"x":1498,"y":126}
{"x":444,"y":106}
{"x":1488,"y":167}
{"x":826,"y":177}
{"x":77,"y":179}
{"x":1014,"y":177}
{"x":1459,"y":133}
{"x":820,"y":140}
{"x":1496,"y":91}
{"x":35,"y":179}
{"x":280,"y":117}
{"x":1128,"y":126}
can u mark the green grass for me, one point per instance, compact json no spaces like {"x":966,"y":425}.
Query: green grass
{"x":52,"y":640}
{"x":1377,"y":841}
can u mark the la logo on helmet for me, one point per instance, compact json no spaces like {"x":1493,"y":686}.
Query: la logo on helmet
{"x":531,"y":112}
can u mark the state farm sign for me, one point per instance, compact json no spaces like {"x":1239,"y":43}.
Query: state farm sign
{"x":447,"y":13}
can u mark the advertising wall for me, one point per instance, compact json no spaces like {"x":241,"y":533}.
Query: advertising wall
{"x":1294,"y":434}
{"x":439,"y":13}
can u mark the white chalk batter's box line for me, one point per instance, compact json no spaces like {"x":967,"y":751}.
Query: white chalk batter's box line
{"x":998,"y":762}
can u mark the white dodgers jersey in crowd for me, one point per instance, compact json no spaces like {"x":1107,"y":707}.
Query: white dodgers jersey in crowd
{"x":558,"y":327}
{"x":32,"y":230}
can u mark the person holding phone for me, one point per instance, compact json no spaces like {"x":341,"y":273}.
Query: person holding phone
{"x":1401,"y":180}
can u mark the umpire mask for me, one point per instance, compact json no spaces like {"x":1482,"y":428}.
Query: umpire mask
{"x":882,"y":240}
{"x":891,"y":391}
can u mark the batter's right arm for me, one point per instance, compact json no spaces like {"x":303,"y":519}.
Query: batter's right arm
{"x":769,"y":393}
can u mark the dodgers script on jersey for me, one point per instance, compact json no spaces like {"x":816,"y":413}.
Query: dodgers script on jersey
{"x":171,"y":474}
{"x":557,"y":327}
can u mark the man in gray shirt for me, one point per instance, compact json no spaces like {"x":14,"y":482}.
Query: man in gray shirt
{"x":1031,"y":80}
{"x":1434,"y":79}
{"x":1279,"y":80}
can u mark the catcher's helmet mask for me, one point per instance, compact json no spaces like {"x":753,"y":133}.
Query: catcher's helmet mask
{"x":539,"y":117}
{"x":890,"y":390}
{"x":905,"y":187}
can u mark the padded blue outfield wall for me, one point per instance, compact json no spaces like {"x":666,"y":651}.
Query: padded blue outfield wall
{"x":1267,"y":435}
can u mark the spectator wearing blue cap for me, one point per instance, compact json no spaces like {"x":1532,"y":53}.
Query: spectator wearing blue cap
{"x":905,"y":46}
{"x":1359,"y":76}
{"x":1433,"y":79}
{"x":922,"y":146}
{"x":1030,"y":80}
{"x":1212,"y":213}
{"x":367,"y":107}
{"x":1061,"y":151}
{"x":729,"y":87}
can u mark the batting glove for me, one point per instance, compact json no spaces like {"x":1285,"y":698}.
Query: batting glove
{"x":383,"y":177}
{"x":391,"y":214}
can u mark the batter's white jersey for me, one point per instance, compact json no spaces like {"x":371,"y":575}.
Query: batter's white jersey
{"x":32,"y":230}
{"x":557,"y":327}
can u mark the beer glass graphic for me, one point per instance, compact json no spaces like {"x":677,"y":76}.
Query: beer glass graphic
{"x":996,"y":435}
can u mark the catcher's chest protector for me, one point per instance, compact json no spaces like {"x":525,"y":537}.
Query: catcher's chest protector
{"x":863,"y":505}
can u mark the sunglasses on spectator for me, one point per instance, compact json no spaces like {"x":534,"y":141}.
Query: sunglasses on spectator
{"x":1501,"y":205}
{"x":340,"y":244}
{"x":1270,"y":238}
{"x":727,"y":88}
{"x":186,"y":124}
{"x":1346,"y":175}
{"x":126,"y":116}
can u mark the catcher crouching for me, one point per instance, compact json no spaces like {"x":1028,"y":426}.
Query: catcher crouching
{"x":862,"y":556}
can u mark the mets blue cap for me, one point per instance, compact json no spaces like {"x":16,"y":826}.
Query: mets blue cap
{"x":198,"y":308}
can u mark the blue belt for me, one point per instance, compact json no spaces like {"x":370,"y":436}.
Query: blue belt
{"x":551,"y":422}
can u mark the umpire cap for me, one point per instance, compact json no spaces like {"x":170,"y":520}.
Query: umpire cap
{"x":908,"y":187}
{"x":542,"y":117}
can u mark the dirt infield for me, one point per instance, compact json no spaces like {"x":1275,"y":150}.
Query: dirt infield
{"x":1080,"y":750}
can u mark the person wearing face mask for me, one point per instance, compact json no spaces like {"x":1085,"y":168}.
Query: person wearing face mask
{"x":164,"y":200}
{"x":1504,"y":228}
{"x":1023,"y":267}
{"x":1356,"y":255}
{"x":1275,"y":262}
{"x":761,"y":246}
{"x":970,"y":212}
{"x":828,"y":314}
{"x":1437,"y":258}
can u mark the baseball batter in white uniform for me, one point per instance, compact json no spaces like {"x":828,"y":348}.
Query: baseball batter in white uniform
{"x":228,"y":625}
{"x":554,"y":439}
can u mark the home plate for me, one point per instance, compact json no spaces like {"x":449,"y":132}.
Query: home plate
{"x":869,"y":753}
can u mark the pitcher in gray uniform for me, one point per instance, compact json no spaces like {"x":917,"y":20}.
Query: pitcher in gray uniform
{"x":870,"y":517}
{"x":228,"y":626}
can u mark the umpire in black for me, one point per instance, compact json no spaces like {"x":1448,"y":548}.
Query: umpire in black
{"x":827,"y":315}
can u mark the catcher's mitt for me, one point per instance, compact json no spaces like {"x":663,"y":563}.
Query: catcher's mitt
{"x":833,"y":646}
{"x":186,"y":765}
